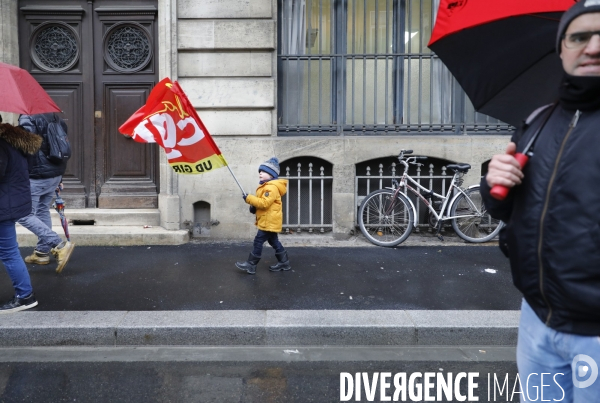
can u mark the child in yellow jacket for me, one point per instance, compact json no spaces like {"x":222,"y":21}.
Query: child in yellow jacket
{"x":269,"y":217}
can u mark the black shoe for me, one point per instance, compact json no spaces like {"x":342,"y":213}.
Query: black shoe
{"x":248,"y":266}
{"x":19,"y":304}
{"x":284,"y":262}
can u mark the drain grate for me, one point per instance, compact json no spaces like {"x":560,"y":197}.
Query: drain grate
{"x":83,"y":222}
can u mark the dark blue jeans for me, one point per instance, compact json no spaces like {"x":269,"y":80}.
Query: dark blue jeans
{"x":266,"y":236}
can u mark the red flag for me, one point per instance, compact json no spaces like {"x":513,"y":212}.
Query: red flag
{"x":170,"y":120}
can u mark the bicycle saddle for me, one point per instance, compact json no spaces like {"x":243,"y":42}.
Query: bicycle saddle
{"x":459,"y":167}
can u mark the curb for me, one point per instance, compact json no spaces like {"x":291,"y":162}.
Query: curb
{"x":260,"y":328}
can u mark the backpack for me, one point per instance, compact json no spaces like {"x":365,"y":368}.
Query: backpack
{"x":59,"y":149}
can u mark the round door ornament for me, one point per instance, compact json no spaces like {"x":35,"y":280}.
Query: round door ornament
{"x":54,"y":47}
{"x":127,"y":47}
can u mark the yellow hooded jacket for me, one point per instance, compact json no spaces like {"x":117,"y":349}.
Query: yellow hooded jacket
{"x":269,"y":216}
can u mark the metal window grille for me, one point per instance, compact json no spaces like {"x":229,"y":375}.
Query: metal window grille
{"x":307,"y":206}
{"x":380,"y":177}
{"x":363,"y":67}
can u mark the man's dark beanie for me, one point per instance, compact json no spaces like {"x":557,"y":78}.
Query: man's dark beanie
{"x":581,"y":7}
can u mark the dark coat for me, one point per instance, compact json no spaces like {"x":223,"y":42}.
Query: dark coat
{"x":15,"y":195}
{"x":553,"y":223}
{"x":40,"y":166}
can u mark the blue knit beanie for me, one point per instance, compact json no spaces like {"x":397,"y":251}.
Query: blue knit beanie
{"x":271,"y":167}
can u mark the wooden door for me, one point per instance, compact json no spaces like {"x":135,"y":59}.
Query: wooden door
{"x":97,"y":60}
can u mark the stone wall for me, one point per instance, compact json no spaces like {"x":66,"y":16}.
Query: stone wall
{"x":245,"y":154}
{"x":226,"y":63}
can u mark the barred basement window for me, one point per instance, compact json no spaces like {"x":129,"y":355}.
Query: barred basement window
{"x":363,"y":67}
{"x":307,"y":206}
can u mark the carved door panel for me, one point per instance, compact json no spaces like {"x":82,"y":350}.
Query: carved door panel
{"x":97,"y":61}
{"x":125,"y":72}
{"x":53,"y":43}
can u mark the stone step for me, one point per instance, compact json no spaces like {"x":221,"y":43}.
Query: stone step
{"x":111,"y":235}
{"x":110,"y":217}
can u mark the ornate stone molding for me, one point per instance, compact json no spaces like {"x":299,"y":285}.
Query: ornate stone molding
{"x":34,"y":11}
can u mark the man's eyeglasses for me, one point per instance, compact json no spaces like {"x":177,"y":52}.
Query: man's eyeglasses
{"x":579,"y":40}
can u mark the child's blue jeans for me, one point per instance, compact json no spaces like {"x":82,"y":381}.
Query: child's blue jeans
{"x":266,"y":236}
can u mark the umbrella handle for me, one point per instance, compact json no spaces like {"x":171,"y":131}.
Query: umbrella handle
{"x":499,"y":192}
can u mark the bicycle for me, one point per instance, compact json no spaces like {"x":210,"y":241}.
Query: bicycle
{"x":387,"y":216}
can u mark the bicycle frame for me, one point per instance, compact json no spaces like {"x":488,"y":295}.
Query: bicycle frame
{"x":447,"y":200}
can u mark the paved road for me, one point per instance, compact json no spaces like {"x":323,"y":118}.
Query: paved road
{"x":202,"y":276}
{"x":244,"y":374}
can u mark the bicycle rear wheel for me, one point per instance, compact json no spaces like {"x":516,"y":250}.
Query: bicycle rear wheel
{"x":477,"y":225}
{"x":385,"y":220}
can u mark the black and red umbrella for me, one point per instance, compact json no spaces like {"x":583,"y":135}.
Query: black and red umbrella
{"x":502,"y":53}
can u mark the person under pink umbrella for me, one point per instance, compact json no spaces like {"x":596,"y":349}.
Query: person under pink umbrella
{"x":15,"y":202}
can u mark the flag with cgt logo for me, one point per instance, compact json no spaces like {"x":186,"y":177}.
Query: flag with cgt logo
{"x":170,"y":120}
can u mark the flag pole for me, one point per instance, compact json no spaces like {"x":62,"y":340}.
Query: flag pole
{"x":236,"y":180}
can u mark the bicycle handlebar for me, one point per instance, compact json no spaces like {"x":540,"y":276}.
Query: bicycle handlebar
{"x":414,"y":159}
{"x":409,"y":160}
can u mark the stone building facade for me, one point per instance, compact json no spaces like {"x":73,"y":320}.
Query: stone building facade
{"x":224,"y":53}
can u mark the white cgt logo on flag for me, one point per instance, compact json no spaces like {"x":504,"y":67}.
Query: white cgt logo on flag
{"x":167,"y":129}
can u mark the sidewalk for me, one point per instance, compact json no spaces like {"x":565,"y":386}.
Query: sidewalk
{"x":337,"y":293}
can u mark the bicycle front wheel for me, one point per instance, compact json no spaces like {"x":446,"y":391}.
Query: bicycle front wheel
{"x":385,"y":220}
{"x":472,"y":222}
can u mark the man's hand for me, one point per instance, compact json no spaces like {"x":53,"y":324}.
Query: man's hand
{"x":504,"y":169}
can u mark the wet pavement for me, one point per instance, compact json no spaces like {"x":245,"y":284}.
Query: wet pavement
{"x":261,"y":375}
{"x":202,"y":276}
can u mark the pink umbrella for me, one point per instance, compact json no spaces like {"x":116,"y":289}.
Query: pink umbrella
{"x":21,"y":93}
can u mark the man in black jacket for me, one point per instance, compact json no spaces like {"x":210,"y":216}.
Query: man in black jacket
{"x":44,"y":176}
{"x":552,"y":213}
{"x":15,"y":202}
